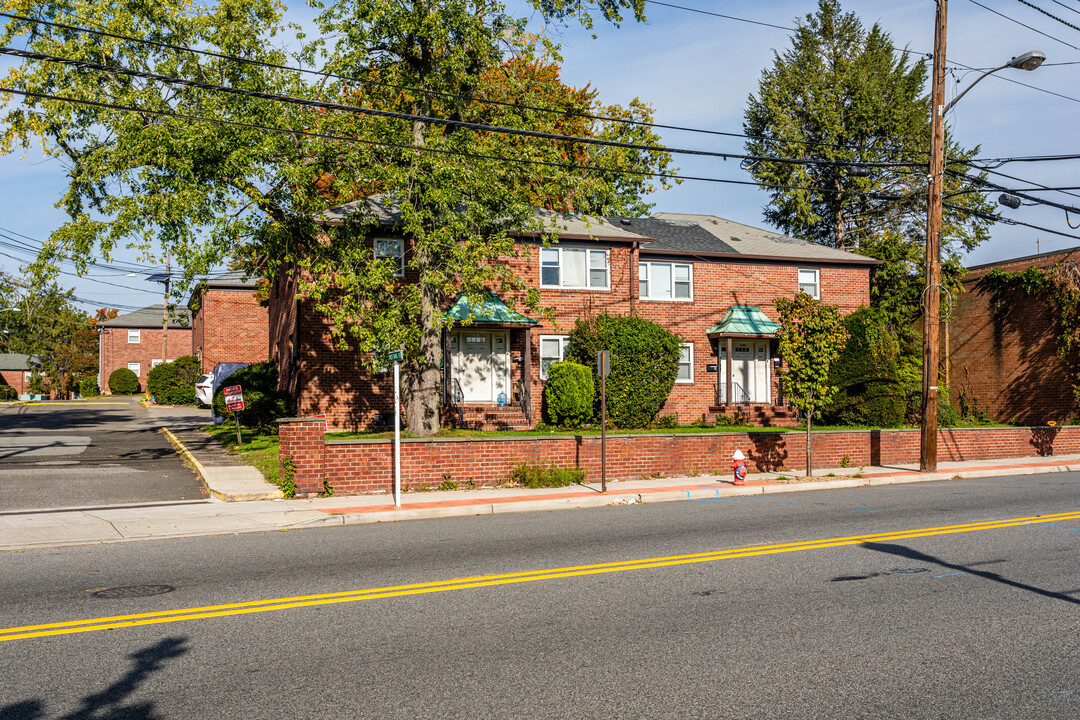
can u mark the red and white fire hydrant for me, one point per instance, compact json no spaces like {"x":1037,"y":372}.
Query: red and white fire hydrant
{"x":738,"y":465}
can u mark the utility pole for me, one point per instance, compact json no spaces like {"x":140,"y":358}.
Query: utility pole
{"x":932,"y":290}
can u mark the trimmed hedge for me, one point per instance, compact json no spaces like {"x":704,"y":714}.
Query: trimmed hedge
{"x":867,"y":375}
{"x":123,"y":382}
{"x":569,"y":395}
{"x":644,"y":363}
{"x":88,"y":386}
{"x":263,"y":402}
{"x":173,"y":383}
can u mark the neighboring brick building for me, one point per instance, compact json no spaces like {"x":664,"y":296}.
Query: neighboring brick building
{"x":134,"y":341}
{"x":1001,"y":348}
{"x":15,"y":370}
{"x":228,"y":323}
{"x":710,"y":280}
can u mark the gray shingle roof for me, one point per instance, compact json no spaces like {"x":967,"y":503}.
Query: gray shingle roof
{"x":685,"y":235}
{"x":385,"y":212}
{"x":232,"y":279}
{"x":747,"y":240}
{"x":150,"y":317}
{"x":18,"y":361}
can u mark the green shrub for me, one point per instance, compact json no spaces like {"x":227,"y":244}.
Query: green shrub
{"x":8,"y":393}
{"x":667,"y":422}
{"x":538,"y":476}
{"x":173,"y":383}
{"x":263,"y":402}
{"x":644,"y":362}
{"x":123,"y":382}
{"x":867,"y":375}
{"x":569,"y":394}
{"x":88,"y":386}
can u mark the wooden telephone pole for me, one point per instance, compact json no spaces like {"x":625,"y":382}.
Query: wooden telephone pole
{"x":932,"y":290}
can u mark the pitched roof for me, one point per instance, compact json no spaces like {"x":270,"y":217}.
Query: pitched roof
{"x":18,"y":361}
{"x":491,"y":310}
{"x":150,"y":317}
{"x":674,"y":234}
{"x":744,"y":320}
{"x":749,"y":241}
{"x":232,"y":279}
{"x":385,"y":212}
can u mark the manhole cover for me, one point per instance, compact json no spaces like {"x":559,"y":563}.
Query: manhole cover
{"x":131,"y":591}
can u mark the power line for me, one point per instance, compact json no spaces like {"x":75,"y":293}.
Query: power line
{"x":413,"y":117}
{"x":1048,"y":14}
{"x":1011,"y":19}
{"x":432,"y":93}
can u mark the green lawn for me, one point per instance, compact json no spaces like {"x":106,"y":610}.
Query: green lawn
{"x":259,"y":448}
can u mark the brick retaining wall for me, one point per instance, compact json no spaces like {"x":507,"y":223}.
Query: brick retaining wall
{"x":361,"y":466}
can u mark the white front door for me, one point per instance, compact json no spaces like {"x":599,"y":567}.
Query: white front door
{"x":481,"y":364}
{"x":749,"y":371}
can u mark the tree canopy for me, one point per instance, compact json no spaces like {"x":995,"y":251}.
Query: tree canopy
{"x":211,"y":157}
{"x":842,"y":95}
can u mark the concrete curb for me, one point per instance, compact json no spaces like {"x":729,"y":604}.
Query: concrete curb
{"x":226,"y":485}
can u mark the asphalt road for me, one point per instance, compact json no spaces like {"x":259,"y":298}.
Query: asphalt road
{"x":91,"y":454}
{"x":942,"y":623}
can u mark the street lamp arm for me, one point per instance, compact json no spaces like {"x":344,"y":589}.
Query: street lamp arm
{"x":1026,"y":61}
{"x":965,"y":90}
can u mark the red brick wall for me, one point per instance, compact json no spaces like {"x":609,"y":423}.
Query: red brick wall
{"x":357,"y":466}
{"x":326,"y":380}
{"x":116,"y":352}
{"x":230,"y":326}
{"x":1002,"y":349}
{"x":14,"y":379}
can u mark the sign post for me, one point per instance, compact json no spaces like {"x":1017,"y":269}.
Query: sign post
{"x":395,"y":357}
{"x":603,"y":366}
{"x":234,"y":403}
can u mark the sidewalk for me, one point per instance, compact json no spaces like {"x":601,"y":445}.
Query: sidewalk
{"x":243,"y":502}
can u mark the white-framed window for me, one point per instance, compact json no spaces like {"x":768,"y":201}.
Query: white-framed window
{"x":134,"y":336}
{"x":665,"y":281}
{"x":552,"y":350}
{"x":808,"y":283}
{"x":391,"y":248}
{"x":686,"y":363}
{"x":27,"y":375}
{"x":154,"y":364}
{"x":570,"y":267}
{"x":135,"y":368}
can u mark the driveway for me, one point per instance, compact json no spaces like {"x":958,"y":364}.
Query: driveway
{"x":92,"y":453}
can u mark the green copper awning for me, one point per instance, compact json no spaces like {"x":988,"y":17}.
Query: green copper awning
{"x":745,"y":320}
{"x":491,"y":311}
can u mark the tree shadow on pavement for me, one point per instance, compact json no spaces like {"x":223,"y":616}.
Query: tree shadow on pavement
{"x":909,"y":554}
{"x":108,"y":704}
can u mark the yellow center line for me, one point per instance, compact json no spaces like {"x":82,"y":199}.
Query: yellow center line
{"x":274,"y":604}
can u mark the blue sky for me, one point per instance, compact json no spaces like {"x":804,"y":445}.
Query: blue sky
{"x":698,"y":70}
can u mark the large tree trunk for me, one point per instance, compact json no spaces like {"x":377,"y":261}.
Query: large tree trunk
{"x":423,"y":383}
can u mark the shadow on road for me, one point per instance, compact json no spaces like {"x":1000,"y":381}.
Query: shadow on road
{"x":108,"y":704}
{"x":908,"y":553}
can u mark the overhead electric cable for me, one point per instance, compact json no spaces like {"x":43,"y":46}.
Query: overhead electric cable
{"x":1011,"y":19}
{"x":1007,"y":221}
{"x":1048,"y":14}
{"x":413,"y":117}
{"x":1018,"y":193}
{"x":432,"y":93}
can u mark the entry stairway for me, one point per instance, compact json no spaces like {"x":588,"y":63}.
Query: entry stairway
{"x":491,"y":417}
{"x":759,"y":415}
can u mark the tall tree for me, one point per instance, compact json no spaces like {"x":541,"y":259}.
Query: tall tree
{"x":169,"y":178}
{"x":843,"y":94}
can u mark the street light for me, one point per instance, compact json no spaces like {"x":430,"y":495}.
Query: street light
{"x":931,"y":292}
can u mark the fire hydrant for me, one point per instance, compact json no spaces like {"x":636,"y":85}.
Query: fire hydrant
{"x":738,"y":465}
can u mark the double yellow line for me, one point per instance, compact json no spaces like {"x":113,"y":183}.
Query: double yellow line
{"x":258,"y":606}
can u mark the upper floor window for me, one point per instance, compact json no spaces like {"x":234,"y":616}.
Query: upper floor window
{"x":571,"y":267}
{"x":808,"y":283}
{"x":552,"y":350}
{"x":665,"y":281}
{"x":391,"y":248}
{"x":134,"y":336}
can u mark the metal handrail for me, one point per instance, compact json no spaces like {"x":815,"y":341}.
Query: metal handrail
{"x":458,"y":398}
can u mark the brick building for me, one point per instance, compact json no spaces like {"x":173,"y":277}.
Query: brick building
{"x":1000,"y":347}
{"x":710,"y":280}
{"x":135,"y":341}
{"x":15,"y":371}
{"x":228,"y":324}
